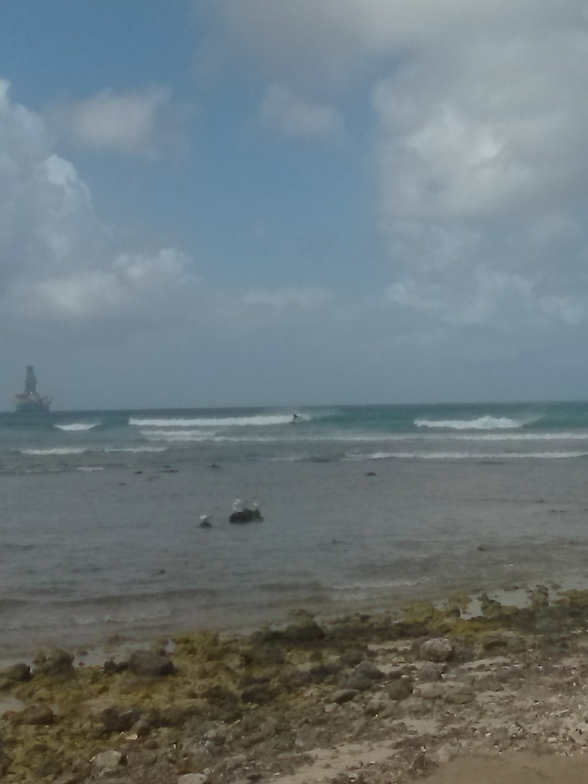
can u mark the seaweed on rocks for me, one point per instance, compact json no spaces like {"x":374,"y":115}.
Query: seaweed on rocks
{"x":429,"y":684}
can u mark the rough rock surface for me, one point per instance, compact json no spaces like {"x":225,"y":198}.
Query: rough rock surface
{"x":151,"y":665}
{"x":437,"y":650}
{"x":515,"y":680}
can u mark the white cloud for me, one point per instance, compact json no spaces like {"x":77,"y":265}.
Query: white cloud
{"x":142,"y":123}
{"x":283,"y":109}
{"x":480,"y":129}
{"x":59,"y":265}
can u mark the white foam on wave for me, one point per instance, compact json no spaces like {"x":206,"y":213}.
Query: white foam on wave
{"x":82,"y":450}
{"x":468,"y":455}
{"x":244,"y":421}
{"x":76,"y":426}
{"x":548,"y":436}
{"x":177,"y":435}
{"x":55,"y":451}
{"x":89,"y":469}
{"x":137,"y":449}
{"x":481,"y":423}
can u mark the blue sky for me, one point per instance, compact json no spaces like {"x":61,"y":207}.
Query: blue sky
{"x":249,"y":202}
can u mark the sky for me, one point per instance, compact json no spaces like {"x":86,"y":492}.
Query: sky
{"x":288,"y":202}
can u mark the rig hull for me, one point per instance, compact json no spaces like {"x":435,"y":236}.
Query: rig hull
{"x":29,"y":400}
{"x":24,"y":403}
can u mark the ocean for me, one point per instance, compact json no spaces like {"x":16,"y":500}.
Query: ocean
{"x":363,"y":506}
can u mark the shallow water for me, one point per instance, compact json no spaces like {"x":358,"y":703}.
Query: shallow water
{"x":472,"y":500}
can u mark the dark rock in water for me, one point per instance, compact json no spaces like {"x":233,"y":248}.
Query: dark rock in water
{"x":152,"y":665}
{"x":371,"y":473}
{"x":54,"y":662}
{"x":246,"y":516}
{"x":205,"y":524}
{"x":214,"y":465}
{"x":18,"y":673}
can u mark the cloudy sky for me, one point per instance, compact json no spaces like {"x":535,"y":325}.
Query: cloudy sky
{"x":257,"y":202}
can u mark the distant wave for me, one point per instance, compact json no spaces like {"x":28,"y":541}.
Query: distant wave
{"x":82,"y":450}
{"x":90,"y":468}
{"x":77,"y":426}
{"x":245,"y":421}
{"x":55,"y":451}
{"x":177,"y":435}
{"x":467,"y":456}
{"x":482,"y":423}
{"x":135,"y":449}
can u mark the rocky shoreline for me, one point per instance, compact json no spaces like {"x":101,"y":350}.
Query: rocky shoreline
{"x":367,"y":698}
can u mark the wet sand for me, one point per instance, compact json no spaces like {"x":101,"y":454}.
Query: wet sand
{"x":516,"y":768}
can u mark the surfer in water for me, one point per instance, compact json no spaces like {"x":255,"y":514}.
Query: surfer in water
{"x":295,"y":418}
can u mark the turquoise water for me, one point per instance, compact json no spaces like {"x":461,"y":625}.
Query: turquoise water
{"x":362,"y":506}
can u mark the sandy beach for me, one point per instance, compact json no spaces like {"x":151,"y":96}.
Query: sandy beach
{"x":367,"y":698}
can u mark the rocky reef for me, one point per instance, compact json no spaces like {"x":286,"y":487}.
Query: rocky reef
{"x":366,"y":698}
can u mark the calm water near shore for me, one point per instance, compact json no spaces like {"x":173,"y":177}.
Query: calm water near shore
{"x":99,"y":512}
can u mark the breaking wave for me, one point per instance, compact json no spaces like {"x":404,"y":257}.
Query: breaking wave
{"x":77,"y":426}
{"x":82,"y":450}
{"x":243,"y":421}
{"x":482,"y":423}
{"x":56,"y":451}
{"x":467,"y":455}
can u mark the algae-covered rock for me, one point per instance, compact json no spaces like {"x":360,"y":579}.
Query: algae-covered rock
{"x":4,"y":758}
{"x":304,"y":633}
{"x":150,"y":665}
{"x":259,"y":694}
{"x":267,"y":653}
{"x":18,"y":673}
{"x":115,"y":719}
{"x":54,"y":662}
{"x":33,"y":715}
